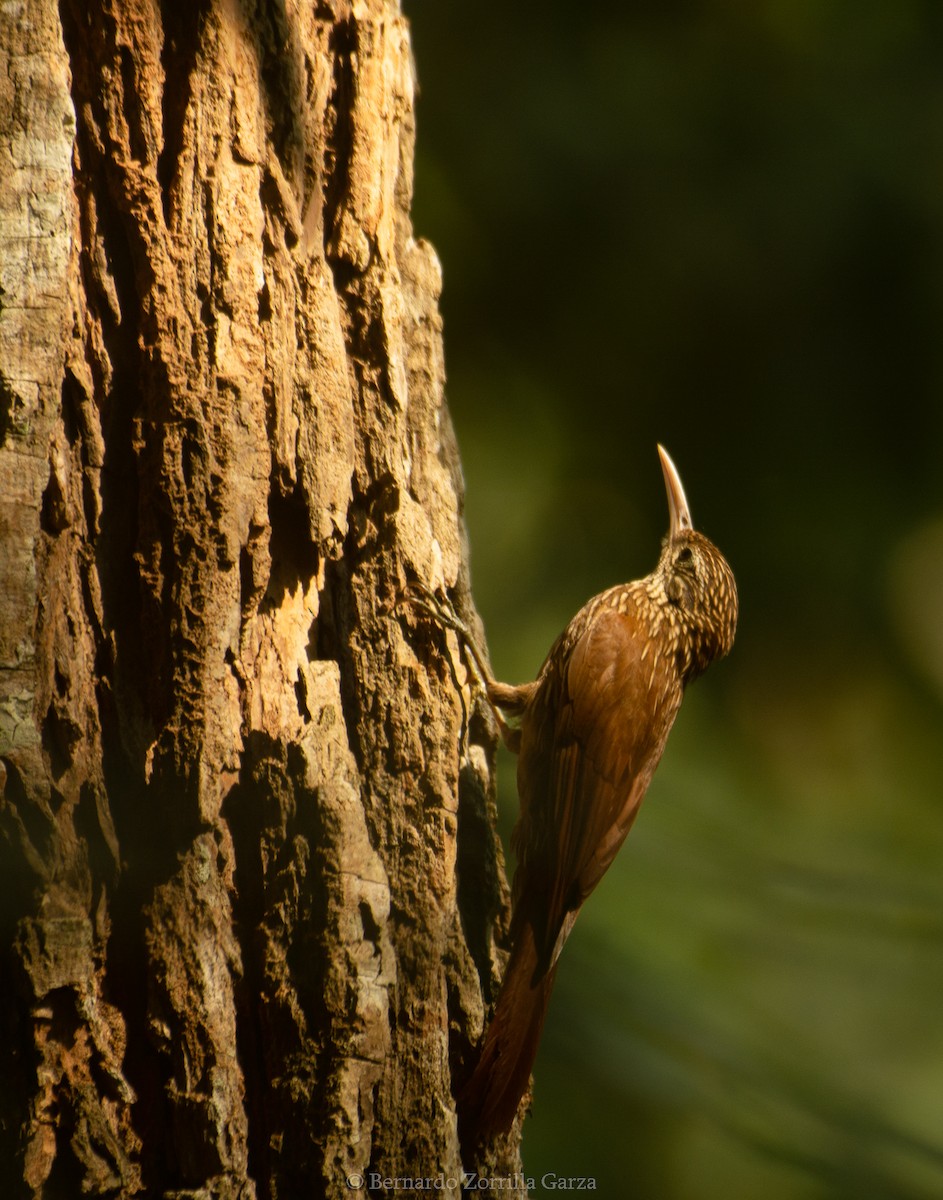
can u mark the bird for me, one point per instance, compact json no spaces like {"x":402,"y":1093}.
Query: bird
{"x":589,"y":732}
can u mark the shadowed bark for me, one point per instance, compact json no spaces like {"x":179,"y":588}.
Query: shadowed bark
{"x":249,"y":867}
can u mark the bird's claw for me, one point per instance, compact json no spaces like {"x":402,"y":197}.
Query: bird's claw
{"x":437,"y":606}
{"x":440,"y":608}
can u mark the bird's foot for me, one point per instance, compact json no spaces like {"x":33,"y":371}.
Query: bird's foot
{"x":440,"y":608}
{"x":502,"y":697}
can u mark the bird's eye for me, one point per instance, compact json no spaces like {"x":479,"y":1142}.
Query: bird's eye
{"x":684,"y":556}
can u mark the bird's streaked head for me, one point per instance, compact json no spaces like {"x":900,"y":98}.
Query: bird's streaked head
{"x":696,"y":583}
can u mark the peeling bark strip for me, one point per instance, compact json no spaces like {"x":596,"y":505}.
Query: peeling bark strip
{"x":237,"y":960}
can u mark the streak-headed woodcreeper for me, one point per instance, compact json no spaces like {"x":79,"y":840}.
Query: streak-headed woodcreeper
{"x":589,"y":732}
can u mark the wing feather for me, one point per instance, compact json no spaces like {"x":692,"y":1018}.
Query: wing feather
{"x":583,"y":773}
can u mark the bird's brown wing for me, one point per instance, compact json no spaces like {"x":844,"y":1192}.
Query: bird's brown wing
{"x":590,"y":765}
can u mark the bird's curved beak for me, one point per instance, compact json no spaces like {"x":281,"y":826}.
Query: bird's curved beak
{"x":678,"y":511}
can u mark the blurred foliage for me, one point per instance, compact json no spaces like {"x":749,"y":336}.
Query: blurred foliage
{"x":720,"y":226}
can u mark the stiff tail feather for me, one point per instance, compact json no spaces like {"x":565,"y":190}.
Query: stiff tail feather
{"x":488,"y":1102}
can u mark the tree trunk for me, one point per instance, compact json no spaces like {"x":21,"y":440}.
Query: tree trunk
{"x":249,"y":861}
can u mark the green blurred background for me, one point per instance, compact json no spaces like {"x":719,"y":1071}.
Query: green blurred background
{"x":720,"y":226}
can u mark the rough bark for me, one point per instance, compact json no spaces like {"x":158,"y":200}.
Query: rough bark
{"x":249,"y":866}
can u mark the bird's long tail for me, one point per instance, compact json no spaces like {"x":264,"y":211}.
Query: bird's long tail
{"x":488,"y":1102}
